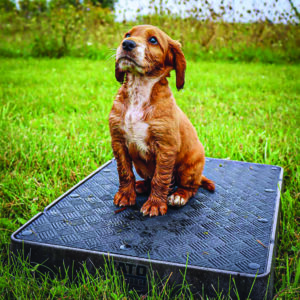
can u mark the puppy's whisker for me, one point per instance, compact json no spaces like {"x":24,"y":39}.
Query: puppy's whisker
{"x":112,"y":54}
{"x":110,"y":57}
{"x":110,"y":51}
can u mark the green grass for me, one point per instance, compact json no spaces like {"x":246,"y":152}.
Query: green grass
{"x":54,"y":132}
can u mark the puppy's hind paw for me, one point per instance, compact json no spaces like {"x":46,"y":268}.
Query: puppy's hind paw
{"x":177,"y":200}
{"x":142,"y":187}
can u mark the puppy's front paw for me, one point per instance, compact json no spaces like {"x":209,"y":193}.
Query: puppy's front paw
{"x":154,"y":207}
{"x":125,"y":197}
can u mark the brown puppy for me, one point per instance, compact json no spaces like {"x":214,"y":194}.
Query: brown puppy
{"x":148,"y":129}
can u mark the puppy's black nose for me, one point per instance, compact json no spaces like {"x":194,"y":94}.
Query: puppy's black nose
{"x":128,"y":45}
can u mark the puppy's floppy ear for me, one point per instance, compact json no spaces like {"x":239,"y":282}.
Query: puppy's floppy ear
{"x":178,"y":62}
{"x":119,"y":74}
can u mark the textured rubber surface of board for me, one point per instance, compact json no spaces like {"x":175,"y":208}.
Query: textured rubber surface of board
{"x":232,"y":231}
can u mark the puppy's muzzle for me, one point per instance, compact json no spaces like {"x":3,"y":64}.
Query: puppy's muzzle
{"x":128,"y":45}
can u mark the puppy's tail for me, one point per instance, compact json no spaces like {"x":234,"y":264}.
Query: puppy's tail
{"x":207,"y":183}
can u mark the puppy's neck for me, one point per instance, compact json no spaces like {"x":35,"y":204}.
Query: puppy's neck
{"x":139,"y":88}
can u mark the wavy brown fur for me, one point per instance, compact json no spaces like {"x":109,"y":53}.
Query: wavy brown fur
{"x":158,"y":138}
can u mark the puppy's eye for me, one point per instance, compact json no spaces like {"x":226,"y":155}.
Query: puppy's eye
{"x":127,"y":35}
{"x":153,"y":40}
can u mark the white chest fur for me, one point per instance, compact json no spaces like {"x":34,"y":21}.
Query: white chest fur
{"x":136,"y":129}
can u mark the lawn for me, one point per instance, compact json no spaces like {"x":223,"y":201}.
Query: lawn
{"x":54,"y":132}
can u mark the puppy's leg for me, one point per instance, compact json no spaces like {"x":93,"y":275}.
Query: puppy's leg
{"x":126,"y":194}
{"x":160,"y":184}
{"x":189,"y":179}
{"x":207,"y":183}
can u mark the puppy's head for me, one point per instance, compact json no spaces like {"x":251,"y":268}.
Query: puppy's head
{"x":147,"y":51}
